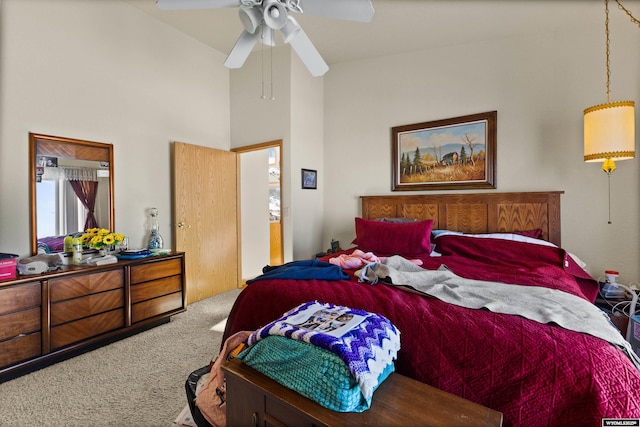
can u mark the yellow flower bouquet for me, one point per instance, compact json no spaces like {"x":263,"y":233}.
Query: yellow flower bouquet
{"x":100,"y":237}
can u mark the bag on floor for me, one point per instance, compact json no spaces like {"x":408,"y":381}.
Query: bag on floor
{"x":207,"y":400}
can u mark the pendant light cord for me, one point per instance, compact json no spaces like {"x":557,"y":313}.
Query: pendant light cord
{"x":606,"y":26}
{"x":606,"y":32}
{"x":628,"y":12}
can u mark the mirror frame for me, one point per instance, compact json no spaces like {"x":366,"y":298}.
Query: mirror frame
{"x":47,"y":145}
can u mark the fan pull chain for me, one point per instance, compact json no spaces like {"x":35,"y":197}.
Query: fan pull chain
{"x":263,"y":95}
{"x":273,"y":98}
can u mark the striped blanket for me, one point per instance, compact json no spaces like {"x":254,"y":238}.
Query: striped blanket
{"x":366,"y":342}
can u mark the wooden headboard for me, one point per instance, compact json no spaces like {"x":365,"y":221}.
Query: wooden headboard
{"x":474,"y":212}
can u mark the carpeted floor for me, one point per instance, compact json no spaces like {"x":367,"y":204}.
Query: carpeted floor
{"x":138,"y":381}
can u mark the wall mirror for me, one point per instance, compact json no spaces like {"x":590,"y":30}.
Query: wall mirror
{"x":71,"y":189}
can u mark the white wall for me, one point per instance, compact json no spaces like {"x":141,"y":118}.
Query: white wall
{"x":255,"y":120}
{"x":307,"y":152}
{"x":296,"y":117}
{"x":254,"y":204}
{"x":539,"y":85}
{"x":104,"y":71}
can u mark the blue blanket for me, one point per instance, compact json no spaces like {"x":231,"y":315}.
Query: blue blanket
{"x":303,"y":270}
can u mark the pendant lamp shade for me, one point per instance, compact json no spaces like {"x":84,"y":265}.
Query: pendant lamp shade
{"x":609,"y":132}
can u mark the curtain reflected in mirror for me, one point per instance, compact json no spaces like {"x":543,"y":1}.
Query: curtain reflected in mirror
{"x":72,"y":189}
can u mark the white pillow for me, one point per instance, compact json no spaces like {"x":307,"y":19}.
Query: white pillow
{"x":504,"y":236}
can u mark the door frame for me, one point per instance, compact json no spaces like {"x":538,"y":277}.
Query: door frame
{"x":247,"y":149}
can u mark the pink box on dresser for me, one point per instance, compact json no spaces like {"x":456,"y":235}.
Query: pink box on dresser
{"x":8,"y":268}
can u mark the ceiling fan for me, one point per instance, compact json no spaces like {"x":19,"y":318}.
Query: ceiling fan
{"x":261,"y":17}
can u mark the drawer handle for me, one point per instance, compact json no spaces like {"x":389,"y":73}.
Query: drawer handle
{"x":254,"y":419}
{"x":16,"y":337}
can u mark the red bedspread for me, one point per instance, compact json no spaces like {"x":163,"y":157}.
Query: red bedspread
{"x":535,"y":374}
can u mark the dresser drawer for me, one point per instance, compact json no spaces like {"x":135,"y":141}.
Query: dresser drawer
{"x":155,"y":270}
{"x":155,"y":288}
{"x":77,"y":308}
{"x":155,"y":307}
{"x":88,"y":327}
{"x":19,"y":323}
{"x":20,"y":348}
{"x":76,"y":286}
{"x":20,"y":297}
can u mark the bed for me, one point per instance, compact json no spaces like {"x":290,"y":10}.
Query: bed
{"x":534,"y":371}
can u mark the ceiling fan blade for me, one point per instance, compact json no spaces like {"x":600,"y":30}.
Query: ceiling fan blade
{"x":307,"y":52}
{"x":195,"y":4}
{"x":350,"y":10}
{"x":241,"y":49}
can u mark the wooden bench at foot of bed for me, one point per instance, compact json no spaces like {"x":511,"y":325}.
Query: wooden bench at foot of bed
{"x":253,"y":399}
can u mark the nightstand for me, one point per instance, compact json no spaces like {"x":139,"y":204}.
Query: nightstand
{"x":619,"y":309}
{"x":253,"y":399}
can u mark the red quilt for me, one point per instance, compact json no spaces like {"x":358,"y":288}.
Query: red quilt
{"x":535,"y":374}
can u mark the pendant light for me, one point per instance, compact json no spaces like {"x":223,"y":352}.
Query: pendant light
{"x":609,"y":129}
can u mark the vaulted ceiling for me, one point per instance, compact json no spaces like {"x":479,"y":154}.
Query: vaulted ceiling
{"x":403,"y":25}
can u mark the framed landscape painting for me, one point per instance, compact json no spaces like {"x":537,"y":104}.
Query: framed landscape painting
{"x":449,"y":154}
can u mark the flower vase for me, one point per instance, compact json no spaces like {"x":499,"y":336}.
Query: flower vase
{"x":155,"y":239}
{"x":107,"y":250}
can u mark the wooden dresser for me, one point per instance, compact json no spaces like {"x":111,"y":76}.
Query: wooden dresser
{"x":50,"y":317}
{"x":253,"y":399}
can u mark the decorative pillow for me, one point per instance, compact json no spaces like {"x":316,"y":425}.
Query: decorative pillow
{"x":398,"y":220}
{"x":389,"y":238}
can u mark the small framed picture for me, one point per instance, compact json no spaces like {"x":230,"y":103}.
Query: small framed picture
{"x":47,"y":161}
{"x":335,"y":245}
{"x":309,"y":179}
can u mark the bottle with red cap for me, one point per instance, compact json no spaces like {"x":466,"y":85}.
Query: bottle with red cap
{"x":611,"y":289}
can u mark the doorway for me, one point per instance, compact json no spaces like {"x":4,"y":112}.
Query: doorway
{"x":260,"y":168}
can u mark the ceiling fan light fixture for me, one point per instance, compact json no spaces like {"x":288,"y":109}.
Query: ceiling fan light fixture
{"x":275,"y":14}
{"x":250,"y":18}
{"x":294,"y":5}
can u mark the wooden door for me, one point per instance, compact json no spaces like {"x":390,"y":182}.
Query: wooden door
{"x":206,"y":218}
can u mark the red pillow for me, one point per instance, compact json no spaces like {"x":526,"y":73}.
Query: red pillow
{"x":388,"y":238}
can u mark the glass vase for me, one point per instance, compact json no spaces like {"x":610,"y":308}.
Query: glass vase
{"x":155,"y":239}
